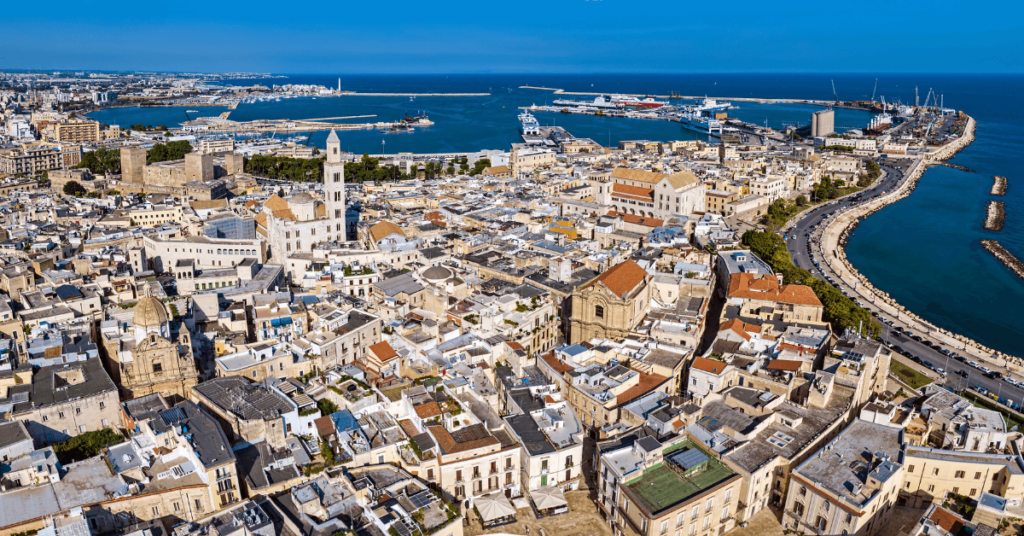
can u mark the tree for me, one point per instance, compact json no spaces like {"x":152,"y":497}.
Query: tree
{"x":450,"y":170}
{"x":326,"y":406}
{"x":87,"y":445}
{"x":73,"y":188}
{"x":101,"y":162}
{"x":801,"y":200}
{"x":175,"y":150}
{"x":479,"y":166}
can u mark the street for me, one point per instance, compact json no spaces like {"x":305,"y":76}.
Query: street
{"x":806,"y":253}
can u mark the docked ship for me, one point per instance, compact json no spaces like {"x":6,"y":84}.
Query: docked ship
{"x":711,"y":105}
{"x":700,"y":123}
{"x":599,"y":102}
{"x":419,"y":121}
{"x":530,"y":125}
{"x":626,"y":100}
{"x":880,"y":122}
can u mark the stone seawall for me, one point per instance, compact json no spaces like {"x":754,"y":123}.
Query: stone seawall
{"x":998,"y":185}
{"x":996,"y":214}
{"x":1004,"y":256}
{"x":838,"y":229}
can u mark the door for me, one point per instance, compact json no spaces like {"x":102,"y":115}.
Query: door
{"x":543,"y":480}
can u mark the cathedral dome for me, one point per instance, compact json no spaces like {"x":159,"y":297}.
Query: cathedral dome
{"x":301,"y":198}
{"x":437,"y":273}
{"x":149,"y":312}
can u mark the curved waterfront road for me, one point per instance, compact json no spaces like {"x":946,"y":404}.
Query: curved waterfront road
{"x":805,"y":251}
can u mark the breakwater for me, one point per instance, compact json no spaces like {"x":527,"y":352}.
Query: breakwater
{"x":998,"y":185}
{"x":955,"y":166}
{"x":1004,"y":256}
{"x":837,"y":232}
{"x":995,"y":216}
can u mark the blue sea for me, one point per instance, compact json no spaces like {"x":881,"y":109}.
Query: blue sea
{"x":924,"y":250}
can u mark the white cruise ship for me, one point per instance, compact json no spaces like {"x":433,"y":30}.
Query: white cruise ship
{"x":530,"y":125}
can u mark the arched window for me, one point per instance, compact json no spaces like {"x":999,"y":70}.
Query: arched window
{"x":599,"y":311}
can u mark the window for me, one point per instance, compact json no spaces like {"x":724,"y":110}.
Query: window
{"x":78,"y":411}
{"x":956,"y":490}
{"x":709,"y":505}
{"x":803,"y":491}
{"x":728,"y":495}
{"x":910,"y":469}
{"x":81,"y":429}
{"x":156,"y":511}
{"x":158,"y":367}
{"x":696,"y":511}
{"x":935,"y":471}
{"x":977,"y":476}
{"x":337,"y":176}
{"x":849,"y":518}
{"x":931,"y":488}
{"x":177,"y":506}
{"x":974,"y":491}
{"x":707,"y":522}
{"x":61,"y":414}
{"x":827,"y":505}
{"x":679,"y":519}
{"x":664,"y":527}
{"x":199,"y":505}
{"x":599,"y":311}
{"x":958,"y":474}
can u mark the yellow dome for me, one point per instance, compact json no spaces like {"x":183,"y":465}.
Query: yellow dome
{"x":149,"y":312}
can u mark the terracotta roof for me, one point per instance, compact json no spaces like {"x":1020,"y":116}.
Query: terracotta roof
{"x":554,"y":363}
{"x":383,"y":351}
{"x":261,"y":219}
{"x":213,"y":203}
{"x":321,"y":210}
{"x":428,"y":410}
{"x":648,"y":382}
{"x":449,"y":445}
{"x":284,"y":214}
{"x":742,"y":328}
{"x":633,"y":192}
{"x":639,"y":220}
{"x":251,"y":203}
{"x":708,"y":365}
{"x":622,"y":278}
{"x":637,"y":175}
{"x":514,"y":345}
{"x":949,"y":521}
{"x":766,"y":287}
{"x":784,"y":364}
{"x":324,"y":426}
{"x":409,"y":428}
{"x":383,"y":229}
{"x":496,"y":169}
{"x":682,"y":179}
{"x":276,"y":203}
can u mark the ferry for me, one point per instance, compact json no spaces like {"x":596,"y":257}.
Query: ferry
{"x":711,"y":105}
{"x":599,"y":102}
{"x":626,"y":100}
{"x":698,"y":123}
{"x":530,"y":125}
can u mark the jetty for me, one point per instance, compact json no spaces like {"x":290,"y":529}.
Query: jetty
{"x":676,"y":96}
{"x":955,"y":166}
{"x":996,"y":216}
{"x":998,"y":185}
{"x":1004,"y":256}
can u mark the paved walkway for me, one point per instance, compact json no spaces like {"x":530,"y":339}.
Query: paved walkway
{"x":764,"y":523}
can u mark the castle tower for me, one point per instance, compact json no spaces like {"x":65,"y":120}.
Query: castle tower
{"x":334,"y":187}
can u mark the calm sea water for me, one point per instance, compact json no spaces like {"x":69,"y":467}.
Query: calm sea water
{"x":923,"y":250}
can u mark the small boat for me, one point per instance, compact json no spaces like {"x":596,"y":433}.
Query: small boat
{"x":192,"y":111}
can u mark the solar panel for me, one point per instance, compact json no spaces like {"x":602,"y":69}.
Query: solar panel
{"x":690,"y":458}
{"x":20,"y":398}
{"x":424,"y":498}
{"x":172,"y":416}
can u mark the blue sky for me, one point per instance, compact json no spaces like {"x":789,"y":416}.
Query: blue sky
{"x":393,"y":36}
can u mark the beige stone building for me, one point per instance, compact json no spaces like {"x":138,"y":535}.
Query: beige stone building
{"x":932,"y":473}
{"x":850,"y":486}
{"x":77,"y":132}
{"x":763,"y":296}
{"x":612,"y":304}
{"x":143,"y":358}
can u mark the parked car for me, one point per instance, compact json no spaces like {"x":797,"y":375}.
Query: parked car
{"x":1009,"y":380}
{"x":962,"y":373}
{"x":973,"y":364}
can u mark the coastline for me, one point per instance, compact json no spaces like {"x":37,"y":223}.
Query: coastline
{"x":837,"y":230}
{"x":1004,"y":256}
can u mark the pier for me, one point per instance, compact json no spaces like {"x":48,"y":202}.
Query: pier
{"x":995,"y":216}
{"x":1004,"y":256}
{"x":676,"y":96}
{"x":998,"y":185}
{"x":955,"y":166}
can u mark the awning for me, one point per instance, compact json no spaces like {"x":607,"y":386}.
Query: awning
{"x":494,"y":506}
{"x":547,"y":498}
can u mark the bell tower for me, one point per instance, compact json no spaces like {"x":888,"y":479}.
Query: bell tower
{"x":334,"y":187}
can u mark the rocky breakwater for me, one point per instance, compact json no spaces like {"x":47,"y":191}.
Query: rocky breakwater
{"x":837,"y":231}
{"x":998,"y":185}
{"x":996,"y":216}
{"x":1004,"y":256}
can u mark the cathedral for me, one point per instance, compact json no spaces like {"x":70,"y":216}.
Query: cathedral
{"x":142,"y":357}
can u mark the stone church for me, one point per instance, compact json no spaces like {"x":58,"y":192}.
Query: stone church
{"x":142,"y":356}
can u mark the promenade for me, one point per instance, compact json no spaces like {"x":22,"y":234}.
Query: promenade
{"x":836,"y":260}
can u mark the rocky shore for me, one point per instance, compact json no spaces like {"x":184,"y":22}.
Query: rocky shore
{"x":844,"y":224}
{"x":996,"y":216}
{"x":998,"y":185}
{"x":1004,"y":256}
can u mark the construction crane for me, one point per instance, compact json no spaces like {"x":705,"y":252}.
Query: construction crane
{"x":834,"y":91}
{"x":873,"y":91}
{"x":927,"y":98}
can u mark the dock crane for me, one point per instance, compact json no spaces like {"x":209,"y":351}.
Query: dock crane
{"x":834,"y":91}
{"x":873,"y":91}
